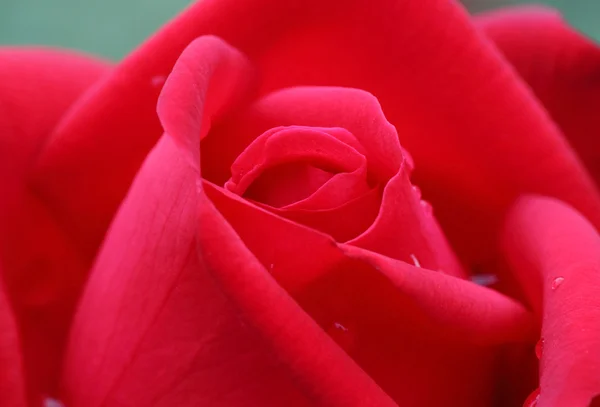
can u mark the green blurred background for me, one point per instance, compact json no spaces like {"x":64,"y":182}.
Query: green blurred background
{"x":113,"y":27}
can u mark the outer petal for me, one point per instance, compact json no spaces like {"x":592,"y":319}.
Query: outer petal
{"x":415,"y":327}
{"x":37,"y":86}
{"x":393,"y":49}
{"x":12,"y":375}
{"x":451,"y":304}
{"x":41,"y":272}
{"x":560,"y":65}
{"x":555,"y":252}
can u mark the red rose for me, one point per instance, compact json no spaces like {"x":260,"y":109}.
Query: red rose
{"x":238,"y":198}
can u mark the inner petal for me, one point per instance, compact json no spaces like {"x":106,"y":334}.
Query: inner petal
{"x":301,"y":167}
{"x":287,"y":183}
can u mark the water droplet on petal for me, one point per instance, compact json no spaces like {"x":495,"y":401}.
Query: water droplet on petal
{"x":557,"y":282}
{"x":427,"y":207}
{"x":342,"y":335}
{"x":485,"y":280}
{"x":337,"y":325}
{"x":415,"y":260}
{"x":533,"y":398}
{"x":417,"y":191}
{"x":539,"y":348}
{"x":408,"y":160}
{"x":158,"y":80}
{"x":49,"y":402}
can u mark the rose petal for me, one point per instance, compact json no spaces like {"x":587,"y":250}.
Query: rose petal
{"x":451,"y":304}
{"x":287,"y":184}
{"x":330,"y":376}
{"x":153,"y":329}
{"x":365,"y":315}
{"x":443,"y":115}
{"x":248,"y":284}
{"x":324,"y":296}
{"x":396,"y":329}
{"x":57,"y":264}
{"x":354,"y":110}
{"x":560,"y":65}
{"x":406,"y":229}
{"x":277,"y":242}
{"x":12,"y":375}
{"x":351,"y":109}
{"x":343,"y":222}
{"x":166,"y":335}
{"x":255,"y":292}
{"x":209,"y":78}
{"x":460,"y":145}
{"x":414,"y":327}
{"x":88,"y":141}
{"x":554,"y":251}
{"x":41,"y":272}
{"x":403,"y":228}
{"x":37,"y":86}
{"x":301,"y":187}
{"x":319,"y":147}
{"x":183,"y":326}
